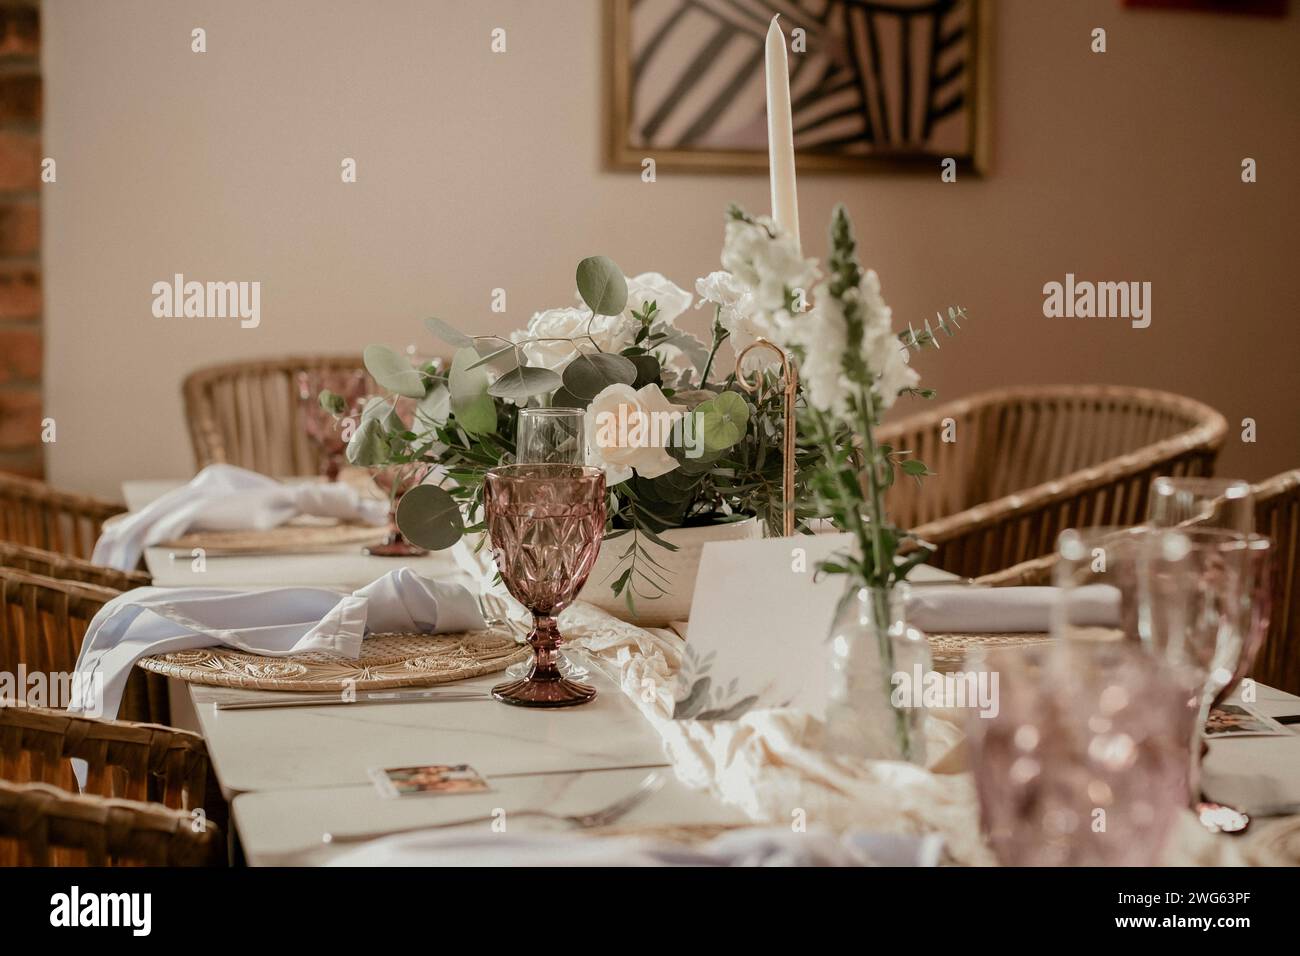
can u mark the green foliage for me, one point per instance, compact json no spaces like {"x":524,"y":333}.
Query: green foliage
{"x":473,"y":407}
{"x":393,"y":371}
{"x":589,"y":375}
{"x":602,"y":285}
{"x":430,"y":518}
{"x":723,"y":420}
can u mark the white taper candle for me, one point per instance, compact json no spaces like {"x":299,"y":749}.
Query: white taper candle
{"x":780,"y":134}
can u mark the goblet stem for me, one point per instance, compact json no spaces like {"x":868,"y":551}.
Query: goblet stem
{"x":544,"y":685}
{"x":545,"y":642}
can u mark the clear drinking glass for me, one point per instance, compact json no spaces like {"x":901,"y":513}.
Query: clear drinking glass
{"x":545,"y":523}
{"x":1084,"y":762}
{"x":1196,"y":593}
{"x":550,"y":436}
{"x":1096,"y":580}
{"x":1227,"y":503}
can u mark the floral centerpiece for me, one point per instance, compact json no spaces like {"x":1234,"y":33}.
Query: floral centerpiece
{"x":620,"y":355}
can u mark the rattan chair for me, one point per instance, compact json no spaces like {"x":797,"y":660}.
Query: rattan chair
{"x":249,"y":413}
{"x":42,"y":624}
{"x":20,"y":557}
{"x":33,"y":513}
{"x":1014,"y":467}
{"x":149,"y":795}
{"x":1277,"y":515}
{"x":42,"y":825}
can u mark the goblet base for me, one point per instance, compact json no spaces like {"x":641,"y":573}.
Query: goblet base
{"x":531,"y":692}
{"x":399,"y":548}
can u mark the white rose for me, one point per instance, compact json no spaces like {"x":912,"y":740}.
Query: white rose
{"x":671,"y":299}
{"x":630,"y":429}
{"x":563,"y":333}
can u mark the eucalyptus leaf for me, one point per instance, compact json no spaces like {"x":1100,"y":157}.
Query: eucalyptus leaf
{"x":434,"y":407}
{"x":501,"y":360}
{"x":448,"y":333}
{"x":525,"y":381}
{"x":563,"y":398}
{"x":724,"y":420}
{"x":588,"y":375}
{"x":696,"y":352}
{"x":473,"y":407}
{"x":369,"y":444}
{"x":393,"y":371}
{"x":430,"y":518}
{"x":648,"y":370}
{"x":602,"y":285}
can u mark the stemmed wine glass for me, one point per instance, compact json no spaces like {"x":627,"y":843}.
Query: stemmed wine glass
{"x":545,"y":523}
{"x":1227,"y":503}
{"x":395,"y":481}
{"x":551,"y":435}
{"x":324,"y":429}
{"x":1197,"y":589}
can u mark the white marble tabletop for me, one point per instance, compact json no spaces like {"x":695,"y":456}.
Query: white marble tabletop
{"x":336,"y":745}
{"x":284,"y":827}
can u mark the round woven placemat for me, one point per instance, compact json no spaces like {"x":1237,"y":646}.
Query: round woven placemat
{"x":285,"y":538}
{"x":948,"y":651}
{"x":387,"y":660}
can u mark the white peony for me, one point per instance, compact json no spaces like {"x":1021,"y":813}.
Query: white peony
{"x":563,"y":333}
{"x":630,"y":429}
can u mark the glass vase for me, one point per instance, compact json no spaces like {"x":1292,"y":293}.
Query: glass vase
{"x":870,"y":713}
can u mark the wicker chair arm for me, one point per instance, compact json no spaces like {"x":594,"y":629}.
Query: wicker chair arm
{"x":43,"y":819}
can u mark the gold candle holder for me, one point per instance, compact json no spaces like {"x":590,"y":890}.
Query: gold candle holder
{"x":790,"y":375}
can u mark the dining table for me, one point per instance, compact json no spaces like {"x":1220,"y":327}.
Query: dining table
{"x":294,"y":775}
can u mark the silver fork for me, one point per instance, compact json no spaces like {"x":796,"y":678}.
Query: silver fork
{"x":648,"y":787}
{"x":497,"y":614}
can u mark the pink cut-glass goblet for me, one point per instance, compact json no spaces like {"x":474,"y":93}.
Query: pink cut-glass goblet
{"x":397,"y":480}
{"x":545,"y":522}
{"x":323,"y":429}
{"x":1082,"y":758}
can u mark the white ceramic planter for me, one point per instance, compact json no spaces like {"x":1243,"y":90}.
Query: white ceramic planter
{"x":681,"y":566}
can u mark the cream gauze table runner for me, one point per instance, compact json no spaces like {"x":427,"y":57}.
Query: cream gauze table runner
{"x":769,"y":763}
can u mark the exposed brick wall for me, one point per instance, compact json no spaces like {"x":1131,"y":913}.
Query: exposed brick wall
{"x":21,"y":346}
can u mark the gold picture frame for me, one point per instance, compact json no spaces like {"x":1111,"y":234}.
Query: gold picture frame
{"x":623,"y":152}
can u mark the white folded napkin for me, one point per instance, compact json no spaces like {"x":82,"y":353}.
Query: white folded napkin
{"x":776,"y":846}
{"x":277,"y":623}
{"x":1013,"y":610}
{"x":226,"y":498}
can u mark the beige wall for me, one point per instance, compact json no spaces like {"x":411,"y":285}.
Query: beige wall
{"x":479,"y":170}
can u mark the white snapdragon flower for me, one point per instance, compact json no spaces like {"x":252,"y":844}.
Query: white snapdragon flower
{"x":766,"y":261}
{"x":737,"y":313}
{"x":823,"y":335}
